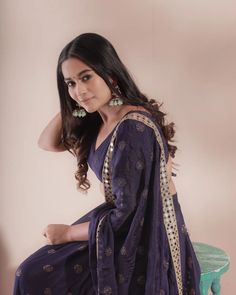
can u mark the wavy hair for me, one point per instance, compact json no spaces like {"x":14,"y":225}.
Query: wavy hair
{"x":78,"y":133}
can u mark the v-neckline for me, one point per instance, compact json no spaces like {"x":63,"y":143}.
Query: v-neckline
{"x":101,"y":144}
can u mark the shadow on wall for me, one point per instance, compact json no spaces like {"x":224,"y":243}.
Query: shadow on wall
{"x":7,"y":274}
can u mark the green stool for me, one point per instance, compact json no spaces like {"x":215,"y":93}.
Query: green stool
{"x":213,"y":263}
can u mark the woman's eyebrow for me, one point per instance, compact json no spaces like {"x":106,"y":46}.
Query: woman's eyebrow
{"x":79,"y":74}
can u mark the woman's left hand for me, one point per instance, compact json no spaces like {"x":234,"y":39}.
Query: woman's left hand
{"x":57,"y":234}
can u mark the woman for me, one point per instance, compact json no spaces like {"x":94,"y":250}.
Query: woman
{"x":136,"y":242}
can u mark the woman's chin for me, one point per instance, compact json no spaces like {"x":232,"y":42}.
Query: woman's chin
{"x":90,"y":110}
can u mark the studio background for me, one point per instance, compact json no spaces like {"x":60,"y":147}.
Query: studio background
{"x":181,"y":53}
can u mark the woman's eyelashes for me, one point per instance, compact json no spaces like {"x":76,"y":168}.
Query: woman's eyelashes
{"x":84,"y":79}
{"x":70,"y":83}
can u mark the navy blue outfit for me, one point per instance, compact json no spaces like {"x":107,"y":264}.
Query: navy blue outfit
{"x":128,"y":250}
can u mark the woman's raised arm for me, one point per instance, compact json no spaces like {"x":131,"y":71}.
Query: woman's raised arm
{"x":50,"y":138}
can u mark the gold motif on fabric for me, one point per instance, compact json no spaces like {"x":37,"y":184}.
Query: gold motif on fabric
{"x":78,"y":268}
{"x":48,"y":268}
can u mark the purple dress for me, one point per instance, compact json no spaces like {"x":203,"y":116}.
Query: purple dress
{"x":138,"y":241}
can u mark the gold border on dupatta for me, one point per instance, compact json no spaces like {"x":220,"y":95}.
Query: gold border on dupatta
{"x":167,"y":200}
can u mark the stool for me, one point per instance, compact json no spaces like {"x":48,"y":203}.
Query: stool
{"x":213,"y":263}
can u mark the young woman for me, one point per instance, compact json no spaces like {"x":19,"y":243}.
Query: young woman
{"x":136,"y":242}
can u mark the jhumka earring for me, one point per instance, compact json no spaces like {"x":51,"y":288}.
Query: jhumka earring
{"x":116,"y":99}
{"x":80,"y":112}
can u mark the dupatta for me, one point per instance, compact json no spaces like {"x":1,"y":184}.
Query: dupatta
{"x":134,"y":244}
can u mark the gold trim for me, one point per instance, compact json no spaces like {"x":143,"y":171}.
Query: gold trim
{"x":97,"y":232}
{"x":97,"y":244}
{"x":167,"y":199}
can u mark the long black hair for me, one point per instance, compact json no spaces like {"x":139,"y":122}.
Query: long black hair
{"x":77,"y":133}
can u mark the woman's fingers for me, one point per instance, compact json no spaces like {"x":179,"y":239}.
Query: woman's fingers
{"x":44,"y":232}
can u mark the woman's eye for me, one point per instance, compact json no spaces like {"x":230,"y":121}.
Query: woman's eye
{"x":70,"y":84}
{"x":86,"y":78}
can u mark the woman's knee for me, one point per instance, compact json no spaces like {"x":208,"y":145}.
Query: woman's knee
{"x":28,"y":267}
{"x":24,"y":270}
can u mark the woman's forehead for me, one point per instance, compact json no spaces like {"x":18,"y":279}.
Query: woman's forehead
{"x":73,"y":67}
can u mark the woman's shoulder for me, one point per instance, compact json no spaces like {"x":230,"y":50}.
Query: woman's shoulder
{"x":138,"y":120}
{"x":139,"y":129}
{"x":135,"y":127}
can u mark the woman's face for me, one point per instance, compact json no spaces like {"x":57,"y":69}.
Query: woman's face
{"x":84,"y":85}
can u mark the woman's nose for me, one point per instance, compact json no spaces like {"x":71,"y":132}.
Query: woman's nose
{"x":80,"y":89}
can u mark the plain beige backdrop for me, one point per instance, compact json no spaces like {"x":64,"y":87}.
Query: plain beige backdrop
{"x":179,"y":52}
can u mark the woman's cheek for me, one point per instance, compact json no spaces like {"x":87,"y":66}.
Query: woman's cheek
{"x":71,"y":93}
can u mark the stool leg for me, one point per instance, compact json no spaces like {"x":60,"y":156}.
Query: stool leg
{"x":204,"y":287}
{"x":215,"y":287}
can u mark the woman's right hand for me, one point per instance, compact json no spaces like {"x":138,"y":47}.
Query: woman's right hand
{"x":57,"y":234}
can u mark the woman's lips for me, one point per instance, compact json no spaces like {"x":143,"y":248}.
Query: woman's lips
{"x":85,"y":100}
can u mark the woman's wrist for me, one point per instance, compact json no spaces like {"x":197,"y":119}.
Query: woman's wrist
{"x":69,"y":234}
{"x":78,"y":232}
